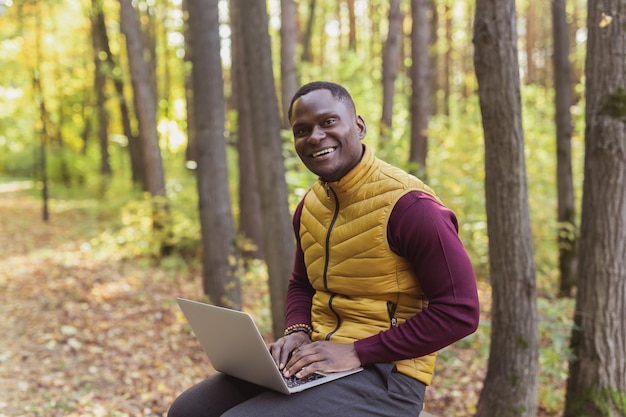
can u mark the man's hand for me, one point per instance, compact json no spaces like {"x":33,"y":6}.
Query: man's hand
{"x":282,"y":348}
{"x":321,"y":357}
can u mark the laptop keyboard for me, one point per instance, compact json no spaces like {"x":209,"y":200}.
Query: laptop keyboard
{"x":293,"y":381}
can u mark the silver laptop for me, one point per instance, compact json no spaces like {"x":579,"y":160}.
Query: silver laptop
{"x":235,"y":347}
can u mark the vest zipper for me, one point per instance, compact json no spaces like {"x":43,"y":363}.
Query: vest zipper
{"x":391,"y":310}
{"x":326,"y":260}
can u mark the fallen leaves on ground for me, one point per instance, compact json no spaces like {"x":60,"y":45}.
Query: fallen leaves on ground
{"x":87,"y":334}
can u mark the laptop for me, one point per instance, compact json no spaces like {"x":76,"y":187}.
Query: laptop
{"x":234,"y":346}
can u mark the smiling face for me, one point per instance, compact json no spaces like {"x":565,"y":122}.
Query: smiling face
{"x":327,"y":134}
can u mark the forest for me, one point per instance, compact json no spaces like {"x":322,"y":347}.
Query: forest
{"x":146,"y":154}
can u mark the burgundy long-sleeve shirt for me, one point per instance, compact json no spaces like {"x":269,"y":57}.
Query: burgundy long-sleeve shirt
{"x":425,"y":232}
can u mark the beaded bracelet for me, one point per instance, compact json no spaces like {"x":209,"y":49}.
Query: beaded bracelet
{"x":298,"y":328}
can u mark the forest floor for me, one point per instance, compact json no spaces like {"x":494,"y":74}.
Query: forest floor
{"x":90,"y":333}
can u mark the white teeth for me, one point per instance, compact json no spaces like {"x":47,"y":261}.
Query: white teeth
{"x":323,"y":152}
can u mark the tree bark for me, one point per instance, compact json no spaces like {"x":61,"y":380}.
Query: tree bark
{"x":191,"y":152}
{"x":279,"y":241}
{"x":219,"y":259}
{"x":420,"y":86}
{"x":447,"y":67}
{"x":566,"y":210}
{"x":307,"y":55}
{"x":145,"y":106}
{"x":98,"y":39}
{"x":250,"y":216}
{"x":145,"y":101}
{"x":288,"y":43}
{"x":597,"y":383}
{"x":510,"y":387}
{"x":391,"y":57}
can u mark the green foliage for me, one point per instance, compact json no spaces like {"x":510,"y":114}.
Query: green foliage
{"x":132,"y":230}
{"x":555,"y":328}
{"x":594,"y":400}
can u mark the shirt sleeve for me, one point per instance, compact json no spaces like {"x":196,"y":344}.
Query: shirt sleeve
{"x":299,"y":291}
{"x":425,"y":232}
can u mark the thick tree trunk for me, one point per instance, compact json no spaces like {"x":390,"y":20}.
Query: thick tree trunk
{"x":510,"y":387}
{"x":219,"y":259}
{"x":597,"y":383}
{"x":250,"y":215}
{"x":279,"y":242}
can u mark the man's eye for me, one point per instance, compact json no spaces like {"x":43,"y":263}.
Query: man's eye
{"x":328,"y":122}
{"x":299,"y":132}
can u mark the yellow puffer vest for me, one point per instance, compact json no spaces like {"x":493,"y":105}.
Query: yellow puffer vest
{"x":362,"y":287}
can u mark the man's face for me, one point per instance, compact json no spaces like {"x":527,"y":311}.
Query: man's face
{"x":327,"y":134}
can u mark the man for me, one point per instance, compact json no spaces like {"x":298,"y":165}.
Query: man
{"x":380,"y":280}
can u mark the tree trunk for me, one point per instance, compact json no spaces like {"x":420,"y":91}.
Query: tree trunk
{"x":279,"y":241}
{"x":250,"y":216}
{"x":134,"y":146}
{"x":447,"y":67}
{"x":531,"y":41}
{"x":307,"y":55}
{"x":288,"y":43}
{"x":219,"y":259}
{"x":191,"y":152}
{"x":510,"y":387}
{"x":420,"y":82}
{"x":597,"y":383}
{"x":391,"y":57}
{"x":352,"y":27}
{"x":144,"y":99}
{"x":98,"y":38}
{"x":566,"y":211}
{"x":145,"y":105}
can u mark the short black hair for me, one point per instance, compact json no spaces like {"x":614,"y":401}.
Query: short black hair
{"x":338,"y":91}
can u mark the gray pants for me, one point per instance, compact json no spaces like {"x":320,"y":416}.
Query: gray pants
{"x":378,"y":390}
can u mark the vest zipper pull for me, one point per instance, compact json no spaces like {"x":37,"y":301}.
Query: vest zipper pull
{"x":327,"y":190}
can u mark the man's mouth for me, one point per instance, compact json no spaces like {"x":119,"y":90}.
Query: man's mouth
{"x":323,"y":152}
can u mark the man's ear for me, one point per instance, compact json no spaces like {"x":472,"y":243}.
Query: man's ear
{"x":361,"y":127}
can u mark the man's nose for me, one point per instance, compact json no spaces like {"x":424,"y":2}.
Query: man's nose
{"x":317,"y":134}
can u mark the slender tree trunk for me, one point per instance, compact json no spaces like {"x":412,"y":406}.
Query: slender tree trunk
{"x":145,"y":100}
{"x":219,"y":259}
{"x":191,"y":152}
{"x":307,"y":55}
{"x":447,"y":67}
{"x":510,"y":387}
{"x":566,"y":212}
{"x":420,"y":82}
{"x":145,"y":104}
{"x":391,"y":57}
{"x":352,"y":22}
{"x":134,"y":146}
{"x":250,"y":215}
{"x":279,"y":242}
{"x":597,"y":383}
{"x":97,"y":28}
{"x":531,"y":42}
{"x":288,"y":43}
